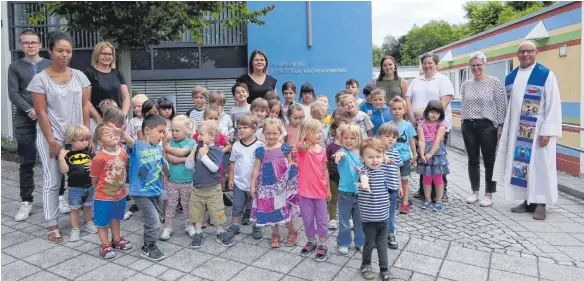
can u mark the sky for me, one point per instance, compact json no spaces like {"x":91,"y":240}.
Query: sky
{"x":396,"y":17}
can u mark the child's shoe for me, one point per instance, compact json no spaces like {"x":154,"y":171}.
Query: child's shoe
{"x":225,"y":238}
{"x":308,"y":248}
{"x":152,"y":252}
{"x":90,"y":227}
{"x":391,"y":242}
{"x":121,"y":244}
{"x":427,"y":205}
{"x":343,"y":250}
{"x":321,"y":253}
{"x":234,"y":229}
{"x":245,"y":220}
{"x":292,"y":238}
{"x":74,"y":235}
{"x":438,"y":207}
{"x":275,"y":243}
{"x":333,"y":225}
{"x":107,"y":252}
{"x":197,"y":241}
{"x":405,"y":209}
{"x":257,"y":233}
{"x":190,"y":231}
{"x":367,"y":272}
{"x":64,"y":205}
{"x":384,"y":275}
{"x":166,"y":234}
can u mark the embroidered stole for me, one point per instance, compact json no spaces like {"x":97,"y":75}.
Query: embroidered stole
{"x":530,"y":109}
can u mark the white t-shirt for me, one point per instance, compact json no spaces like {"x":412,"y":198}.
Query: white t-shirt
{"x":244,"y":158}
{"x":422,"y":91}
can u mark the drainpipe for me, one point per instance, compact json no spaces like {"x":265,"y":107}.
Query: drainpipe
{"x":309,"y":23}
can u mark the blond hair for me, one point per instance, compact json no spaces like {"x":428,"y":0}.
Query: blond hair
{"x":183,"y":121}
{"x":200,"y":90}
{"x":317,"y":107}
{"x":398,"y":99}
{"x":77,"y":132}
{"x":309,"y":126}
{"x":210,"y":127}
{"x":140,"y":98}
{"x":374,"y":144}
{"x":344,"y":99}
{"x":388,"y":129}
{"x":274,"y":122}
{"x":353,"y":130}
{"x":260,"y":103}
{"x":377,"y":92}
{"x":114,"y":115}
{"x":217,"y":98}
{"x":97,"y":52}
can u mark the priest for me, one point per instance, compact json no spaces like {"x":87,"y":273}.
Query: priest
{"x":526,"y":157}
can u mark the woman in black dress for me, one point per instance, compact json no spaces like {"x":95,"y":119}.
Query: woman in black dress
{"x":257,"y":80}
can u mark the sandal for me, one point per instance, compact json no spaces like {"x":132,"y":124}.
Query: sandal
{"x":54,"y":236}
{"x":121,"y":244}
{"x":293,"y":238}
{"x":107,"y":252}
{"x":275,"y":243}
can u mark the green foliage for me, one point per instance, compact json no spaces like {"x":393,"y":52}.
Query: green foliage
{"x":377,"y":55}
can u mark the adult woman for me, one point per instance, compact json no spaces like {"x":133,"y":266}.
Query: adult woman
{"x":257,"y":80}
{"x":483,"y":115}
{"x":60,"y":97}
{"x":389,"y":81}
{"x":106,"y":81}
{"x":430,"y":86}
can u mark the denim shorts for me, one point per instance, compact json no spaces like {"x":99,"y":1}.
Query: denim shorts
{"x":80,"y":197}
{"x":105,"y":211}
{"x":241,"y":200}
{"x":405,"y":169}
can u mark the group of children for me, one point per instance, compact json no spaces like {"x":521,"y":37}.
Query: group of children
{"x":282,"y":160}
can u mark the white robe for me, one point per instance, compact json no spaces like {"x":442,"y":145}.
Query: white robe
{"x":542,"y":185}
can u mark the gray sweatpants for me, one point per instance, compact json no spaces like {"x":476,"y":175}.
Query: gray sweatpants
{"x":51,"y":179}
{"x":151,"y":208}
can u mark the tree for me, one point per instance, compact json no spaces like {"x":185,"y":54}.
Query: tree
{"x":140,"y":24}
{"x":377,"y":55}
{"x":388,"y":47}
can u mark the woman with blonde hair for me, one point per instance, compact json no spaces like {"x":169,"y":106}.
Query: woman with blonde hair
{"x":106,"y":81}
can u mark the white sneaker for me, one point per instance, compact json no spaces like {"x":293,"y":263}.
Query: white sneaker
{"x":191,"y":231}
{"x":64,"y":205}
{"x":332,"y":225}
{"x":74,"y":235}
{"x":90,"y":227}
{"x":473,"y":198}
{"x":166,"y":234}
{"x":351,"y":223}
{"x":24,"y":212}
{"x":487,"y":202}
{"x":128,"y":215}
{"x":343,"y":250}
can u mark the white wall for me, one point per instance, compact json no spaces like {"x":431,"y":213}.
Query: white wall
{"x":5,"y":105}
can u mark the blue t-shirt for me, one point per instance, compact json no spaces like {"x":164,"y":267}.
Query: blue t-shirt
{"x":366,"y":107}
{"x":146,"y":163}
{"x":178,"y":173}
{"x":348,"y":171}
{"x":379,"y":117}
{"x":406,"y":132}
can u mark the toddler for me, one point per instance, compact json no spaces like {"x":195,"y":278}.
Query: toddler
{"x":306,"y":97}
{"x":318,"y":112}
{"x":242,"y":107}
{"x":225,"y":123}
{"x":271,"y":95}
{"x":260,"y":108}
{"x":352,"y":88}
{"x":367,"y":106}
{"x":380,"y":113}
{"x":135,"y":123}
{"x":358,"y":117}
{"x":324,"y":101}
{"x":166,"y":110}
{"x":200,"y":96}
{"x":289,"y":93}
{"x":276,"y":110}
{"x":331,"y":149}
{"x":295,"y":116}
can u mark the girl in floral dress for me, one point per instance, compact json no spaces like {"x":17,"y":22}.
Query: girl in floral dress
{"x":274,"y":185}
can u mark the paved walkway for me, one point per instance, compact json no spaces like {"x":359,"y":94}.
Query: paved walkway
{"x":462,"y":243}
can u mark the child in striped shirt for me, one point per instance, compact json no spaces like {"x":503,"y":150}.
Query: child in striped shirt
{"x":379,"y":180}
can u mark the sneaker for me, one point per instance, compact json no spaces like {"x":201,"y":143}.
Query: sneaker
{"x":343,"y":250}
{"x":473,"y":198}
{"x":166,"y":234}
{"x":487,"y":202}
{"x":257,"y":233}
{"x":190,"y":231}
{"x":152,"y":252}
{"x":64,"y":206}
{"x":308,"y":248}
{"x":333,"y":224}
{"x":234,"y":229}
{"x":367,"y":272}
{"x":128,"y":215}
{"x":384,"y":275}
{"x":405,"y":209}
{"x":321,"y":253}
{"x":107,"y":252}
{"x":24,"y":212}
{"x":438,"y":207}
{"x":427,"y":205}
{"x":74,"y":235}
{"x":391,"y":242}
{"x":225,"y":238}
{"x":197,"y":241}
{"x":245,"y":220}
{"x":90,"y":227}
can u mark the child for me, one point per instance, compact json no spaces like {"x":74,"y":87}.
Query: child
{"x":147,"y":169}
{"x":207,"y":192}
{"x":367,"y":106}
{"x":352,"y":88}
{"x":389,"y":135}
{"x":241,"y":107}
{"x":276,"y":110}
{"x":108,"y":176}
{"x":241,"y":165}
{"x":135,"y":123}
{"x":348,"y":161}
{"x":432,"y":163}
{"x":225,"y":123}
{"x":271,"y":95}
{"x":338,"y":96}
{"x":318,"y":112}
{"x":380,"y":113}
{"x":378,"y":177}
{"x":331,"y":149}
{"x":180,"y":178}
{"x":260,"y":109}
{"x":75,"y":163}
{"x":274,"y":185}
{"x":324,"y":100}
{"x":166,"y":109}
{"x":358,"y":117}
{"x":289,"y":93}
{"x":200,"y":96}
{"x":306,"y":97}
{"x":406,"y":145}
{"x":313,"y":187}
{"x":295,"y":115}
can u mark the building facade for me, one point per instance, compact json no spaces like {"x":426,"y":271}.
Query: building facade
{"x":557,"y":33}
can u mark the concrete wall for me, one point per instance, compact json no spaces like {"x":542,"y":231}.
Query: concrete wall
{"x":341,"y":43}
{"x":6,"y":108}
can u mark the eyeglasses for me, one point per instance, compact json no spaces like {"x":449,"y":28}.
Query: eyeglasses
{"x":26,"y":43}
{"x":526,"y":52}
{"x":476,"y":65}
{"x":107,"y":54}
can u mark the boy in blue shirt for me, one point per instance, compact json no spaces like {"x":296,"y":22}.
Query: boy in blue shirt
{"x":367,"y":106}
{"x":147,"y":169}
{"x":381,"y":113}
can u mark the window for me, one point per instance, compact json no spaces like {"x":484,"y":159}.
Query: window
{"x":224,"y":57}
{"x":497,"y":69}
{"x":176,"y":58}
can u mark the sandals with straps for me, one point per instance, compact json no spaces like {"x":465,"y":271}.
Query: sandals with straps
{"x":293,"y":238}
{"x":121,"y":244}
{"x":54,"y":236}
{"x":275,"y":243}
{"x":107,"y":251}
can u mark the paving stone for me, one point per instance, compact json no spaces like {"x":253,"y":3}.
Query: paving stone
{"x":155,"y":270}
{"x":141,"y":264}
{"x":44,"y":275}
{"x":418,"y":263}
{"x":291,"y":278}
{"x":52,"y":256}
{"x":244,"y":253}
{"x":18,"y":270}
{"x":144,"y":277}
{"x":560,"y":272}
{"x":577,"y":253}
{"x":468,"y":256}
{"x":13,"y":238}
{"x":514,"y":264}
{"x":313,"y":270}
{"x":124,"y":259}
{"x":434,"y":249}
{"x":256,"y":273}
{"x":78,"y":266}
{"x":422,"y":277}
{"x":171,"y":275}
{"x":569,"y":227}
{"x":497,"y":275}
{"x":463,"y":272}
{"x":560,"y":239}
{"x":218,"y":269}
{"x":186,"y":260}
{"x":278,"y":261}
{"x":28,"y":248}
{"x":110,"y":272}
{"x":6,"y":259}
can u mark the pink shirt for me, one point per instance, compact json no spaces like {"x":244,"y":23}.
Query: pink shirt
{"x":311,"y":178}
{"x":430,"y":130}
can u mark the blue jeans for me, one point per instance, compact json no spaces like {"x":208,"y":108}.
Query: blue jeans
{"x":348,"y":206}
{"x":80,"y":197}
{"x":392,"y":208}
